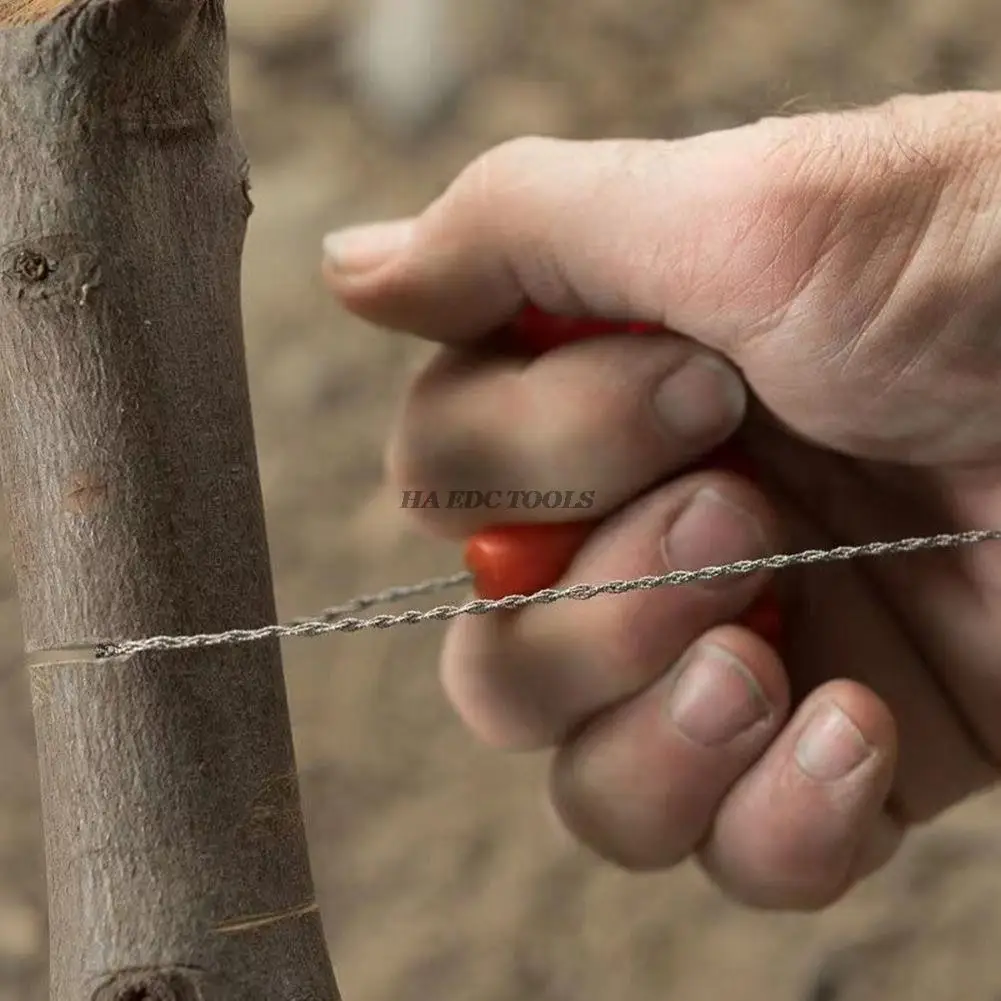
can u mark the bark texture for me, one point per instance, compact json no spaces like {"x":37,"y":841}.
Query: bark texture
{"x":176,"y":853}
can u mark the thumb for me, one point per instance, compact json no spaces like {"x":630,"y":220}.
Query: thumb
{"x":692,"y":234}
{"x":844,"y":262}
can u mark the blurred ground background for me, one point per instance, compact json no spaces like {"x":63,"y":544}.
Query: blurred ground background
{"x":439,"y":871}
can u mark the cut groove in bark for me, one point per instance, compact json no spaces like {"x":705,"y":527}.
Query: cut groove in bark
{"x":175,"y":845}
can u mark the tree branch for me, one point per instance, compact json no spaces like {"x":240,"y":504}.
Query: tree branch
{"x":176,"y":853}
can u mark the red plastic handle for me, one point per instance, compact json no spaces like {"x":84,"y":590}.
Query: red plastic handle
{"x":521,"y":559}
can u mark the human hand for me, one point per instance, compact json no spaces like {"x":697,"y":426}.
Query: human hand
{"x":844,"y":267}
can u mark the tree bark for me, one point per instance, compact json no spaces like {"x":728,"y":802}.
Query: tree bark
{"x":176,"y":853}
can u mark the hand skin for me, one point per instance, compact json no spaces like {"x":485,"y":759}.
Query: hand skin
{"x":848,"y":266}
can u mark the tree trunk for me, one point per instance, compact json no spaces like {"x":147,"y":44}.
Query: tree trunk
{"x":177,"y":862}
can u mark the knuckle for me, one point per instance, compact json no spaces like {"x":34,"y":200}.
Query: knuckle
{"x":500,"y":169}
{"x":491,"y":705}
{"x":628,"y":828}
{"x":393,"y":459}
{"x":404,"y":464}
{"x":417,"y":472}
{"x":634,"y":657}
{"x":770,"y":882}
{"x":609,"y":839}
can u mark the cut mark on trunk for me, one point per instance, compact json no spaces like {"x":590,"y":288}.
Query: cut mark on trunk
{"x":254,"y":921}
{"x":62,"y":655}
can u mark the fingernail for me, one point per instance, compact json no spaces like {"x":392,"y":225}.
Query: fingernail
{"x":702,"y":400}
{"x":364,"y":248}
{"x":716,"y":698}
{"x":831,"y":746}
{"x":712,"y":531}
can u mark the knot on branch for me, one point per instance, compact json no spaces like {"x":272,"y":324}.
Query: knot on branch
{"x":30,"y":266}
{"x":59,"y":267}
{"x":149,"y":985}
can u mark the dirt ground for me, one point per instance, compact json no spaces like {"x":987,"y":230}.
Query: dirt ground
{"x":439,"y":870}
